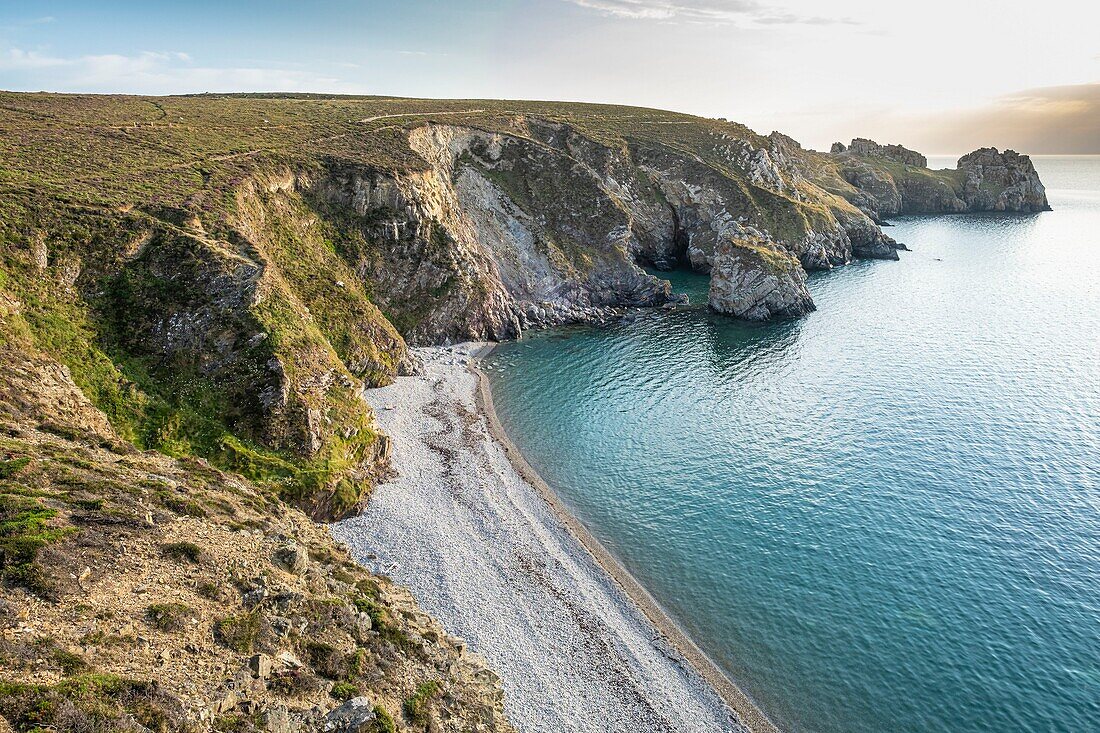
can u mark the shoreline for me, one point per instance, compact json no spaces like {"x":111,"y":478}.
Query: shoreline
{"x":747,"y":710}
{"x":488,"y":550}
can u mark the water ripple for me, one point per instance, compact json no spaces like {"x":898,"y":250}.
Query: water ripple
{"x":883,"y":517}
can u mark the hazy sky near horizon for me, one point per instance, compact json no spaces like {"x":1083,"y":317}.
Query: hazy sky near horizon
{"x":942,"y":76}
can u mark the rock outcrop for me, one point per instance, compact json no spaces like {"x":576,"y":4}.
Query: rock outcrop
{"x":886,"y":180}
{"x":869,"y":148}
{"x":754,"y":280}
{"x":538,"y":224}
{"x":998,"y":181}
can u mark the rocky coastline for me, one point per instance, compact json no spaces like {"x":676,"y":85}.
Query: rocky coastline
{"x":195,"y":292}
{"x":889,"y":180}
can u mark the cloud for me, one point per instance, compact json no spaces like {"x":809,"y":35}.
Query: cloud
{"x":153,"y":72}
{"x":790,"y":19}
{"x":659,"y":10}
{"x":15,"y":59}
{"x":702,"y":11}
{"x":1061,"y":119}
{"x":15,"y":26}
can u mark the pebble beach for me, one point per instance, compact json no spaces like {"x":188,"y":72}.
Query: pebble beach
{"x":502,"y":565}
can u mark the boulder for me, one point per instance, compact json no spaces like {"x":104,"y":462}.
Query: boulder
{"x":288,"y":660}
{"x":277,"y":719}
{"x":260,"y":666}
{"x":363,"y":626}
{"x":354,"y":716}
{"x":226,"y":702}
{"x":291,"y":558}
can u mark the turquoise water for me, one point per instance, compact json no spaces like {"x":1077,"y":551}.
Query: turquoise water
{"x":882,"y":517}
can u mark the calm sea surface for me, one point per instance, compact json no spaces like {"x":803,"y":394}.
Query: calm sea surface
{"x":882,"y":517}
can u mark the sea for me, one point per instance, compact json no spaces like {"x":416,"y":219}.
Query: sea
{"x":883,"y":517}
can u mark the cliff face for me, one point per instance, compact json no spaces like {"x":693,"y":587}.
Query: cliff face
{"x":213,"y":339}
{"x":886,"y":180}
{"x":537,"y":224}
{"x":496,"y":234}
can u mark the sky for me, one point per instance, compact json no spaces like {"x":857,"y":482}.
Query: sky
{"x":940,"y":76}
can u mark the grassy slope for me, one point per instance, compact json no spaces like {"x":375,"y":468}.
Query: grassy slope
{"x":85,"y":176}
{"x":117,"y":607}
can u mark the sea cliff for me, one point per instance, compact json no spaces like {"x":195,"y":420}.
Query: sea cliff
{"x":886,"y":180}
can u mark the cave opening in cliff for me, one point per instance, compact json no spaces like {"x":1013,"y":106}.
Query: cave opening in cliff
{"x":679,"y":244}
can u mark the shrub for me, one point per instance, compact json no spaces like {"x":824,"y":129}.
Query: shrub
{"x":13,"y":466}
{"x":90,"y":702}
{"x":208,"y":589}
{"x":327,"y":660}
{"x":188,"y":507}
{"x":358,"y":663}
{"x":383,"y":721}
{"x":240,"y":632}
{"x":372,"y":609}
{"x":69,"y":662}
{"x":296,"y":682}
{"x":343,"y":576}
{"x":416,"y":706}
{"x":236,"y":723}
{"x":168,"y":616}
{"x":24,"y":531}
{"x":370,"y":588}
{"x":182,"y":551}
{"x":343,"y":691}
